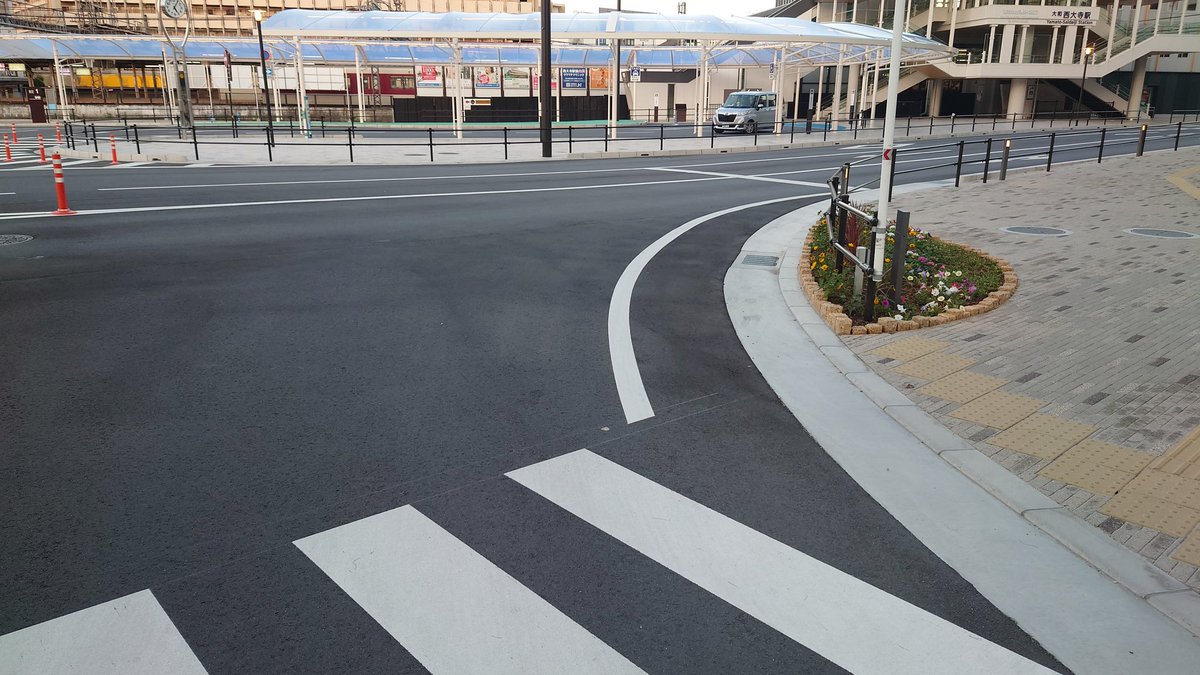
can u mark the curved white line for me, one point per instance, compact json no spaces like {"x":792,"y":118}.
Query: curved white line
{"x":630,"y":388}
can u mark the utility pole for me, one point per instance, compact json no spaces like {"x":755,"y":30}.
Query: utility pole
{"x":544,"y":84}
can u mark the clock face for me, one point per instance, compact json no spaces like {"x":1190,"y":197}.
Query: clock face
{"x":174,"y":8}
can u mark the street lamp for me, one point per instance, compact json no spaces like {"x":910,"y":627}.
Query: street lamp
{"x":1087,"y":56}
{"x":262,"y":60}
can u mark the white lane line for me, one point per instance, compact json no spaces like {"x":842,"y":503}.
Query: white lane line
{"x":738,"y":175}
{"x":330,"y":200}
{"x":131,"y":634}
{"x":838,"y":616}
{"x":367,"y":180}
{"x":24,"y":160}
{"x":454,"y":610}
{"x":5,"y":194}
{"x":630,"y":388}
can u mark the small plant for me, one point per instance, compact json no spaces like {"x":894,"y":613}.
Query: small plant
{"x":937,"y":275}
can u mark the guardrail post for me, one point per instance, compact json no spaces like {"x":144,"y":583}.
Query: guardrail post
{"x":958,"y":164}
{"x":974,"y":118}
{"x":195,"y":143}
{"x":350,"y":143}
{"x":931,"y":125}
{"x":125,"y":122}
{"x":60,"y":188}
{"x":1050,"y":152}
{"x":1004,"y":159}
{"x":570,"y":139}
{"x":431,"y":144}
{"x":1100,"y":154}
{"x":892,"y":172}
{"x":908,"y":126}
{"x":828,"y":123}
{"x":843,"y":197}
{"x":953,"y":117}
{"x":1178,"y":133}
{"x":137,"y":142}
{"x":661,"y":133}
{"x":899,"y":252}
{"x":1142,"y":140}
{"x":95,"y":140}
{"x":755,"y":134}
{"x":1014,"y":124}
{"x":792,"y":135}
{"x":869,"y":300}
{"x":987,"y":159}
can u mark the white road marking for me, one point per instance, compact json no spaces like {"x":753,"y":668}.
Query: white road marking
{"x":628,"y":377}
{"x":23,"y":160}
{"x":5,"y":194}
{"x":330,"y":200}
{"x":454,"y":610}
{"x":127,"y":635}
{"x":838,"y":616}
{"x":737,"y":175}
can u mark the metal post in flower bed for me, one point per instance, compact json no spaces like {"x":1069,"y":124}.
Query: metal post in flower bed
{"x":841,"y":208}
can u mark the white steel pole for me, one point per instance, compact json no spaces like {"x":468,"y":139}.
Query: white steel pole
{"x":889,"y":139}
{"x":58,"y":81}
{"x":301,"y":91}
{"x":614,"y":88}
{"x":358,"y":86}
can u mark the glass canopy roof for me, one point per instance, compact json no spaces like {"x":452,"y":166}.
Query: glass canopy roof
{"x":323,"y":41}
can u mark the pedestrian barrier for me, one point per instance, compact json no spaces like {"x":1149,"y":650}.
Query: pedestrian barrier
{"x":14,"y":133}
{"x":60,"y":188}
{"x":7,"y":150}
{"x":112,"y":142}
{"x":41,"y":150}
{"x":58,"y":132}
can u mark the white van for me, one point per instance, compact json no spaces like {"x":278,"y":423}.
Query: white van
{"x":746,"y":111}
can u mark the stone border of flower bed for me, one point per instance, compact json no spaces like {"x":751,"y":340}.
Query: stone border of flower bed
{"x":841,"y":324}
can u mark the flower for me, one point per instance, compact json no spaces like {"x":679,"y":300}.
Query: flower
{"x":824,"y":267}
{"x":813,"y":266}
{"x":941,"y":298}
{"x":910,"y":277}
{"x":958,"y":273}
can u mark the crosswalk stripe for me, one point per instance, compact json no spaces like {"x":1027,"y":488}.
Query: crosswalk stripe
{"x":454,"y":610}
{"x":23,"y":160}
{"x":840,"y":617}
{"x":131,"y":634}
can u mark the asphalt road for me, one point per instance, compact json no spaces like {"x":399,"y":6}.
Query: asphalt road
{"x":198,"y":376}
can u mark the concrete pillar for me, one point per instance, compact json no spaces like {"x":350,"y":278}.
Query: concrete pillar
{"x":935,"y":97}
{"x":1007,"y":35}
{"x":853,"y":81}
{"x":1135,"y":88}
{"x":1023,"y":46}
{"x":836,"y":108}
{"x":1054,"y":45}
{"x":987,"y":54}
{"x":1068,"y":44}
{"x":1016,"y":98}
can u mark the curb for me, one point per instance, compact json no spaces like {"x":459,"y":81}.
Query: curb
{"x":1169,"y":596}
{"x":122,"y":156}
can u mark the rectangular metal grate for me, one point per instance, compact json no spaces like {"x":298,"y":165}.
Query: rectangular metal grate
{"x":760,"y":260}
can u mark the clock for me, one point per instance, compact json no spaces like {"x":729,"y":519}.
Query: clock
{"x":173,"y":8}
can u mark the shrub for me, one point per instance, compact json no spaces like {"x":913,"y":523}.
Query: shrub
{"x":938,"y":275}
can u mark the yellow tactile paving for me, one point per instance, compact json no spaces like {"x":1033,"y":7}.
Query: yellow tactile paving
{"x":1153,"y":512}
{"x":1189,"y":550}
{"x":933,"y":366}
{"x":1175,"y":489}
{"x":1112,"y":456}
{"x":962,"y":387}
{"x":1044,"y":436}
{"x":1180,"y":180}
{"x":1094,"y":478}
{"x":1183,"y":459}
{"x":997,"y":409}
{"x":911,"y":348}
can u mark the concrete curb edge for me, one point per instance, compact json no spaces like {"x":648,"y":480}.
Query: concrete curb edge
{"x":1164,"y":593}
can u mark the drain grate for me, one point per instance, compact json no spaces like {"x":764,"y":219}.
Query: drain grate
{"x":760,"y":260}
{"x":1161,"y":234}
{"x":10,"y":239}
{"x":1036,"y":231}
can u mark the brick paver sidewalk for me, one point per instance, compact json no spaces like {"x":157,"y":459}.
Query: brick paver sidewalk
{"x":1087,"y":383}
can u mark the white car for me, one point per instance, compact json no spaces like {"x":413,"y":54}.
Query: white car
{"x":746,"y":111}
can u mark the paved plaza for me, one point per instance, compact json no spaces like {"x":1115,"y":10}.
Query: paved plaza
{"x":1087,"y":382}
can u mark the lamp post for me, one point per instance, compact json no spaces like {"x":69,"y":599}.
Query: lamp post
{"x":1087,"y":56}
{"x":262,"y":60}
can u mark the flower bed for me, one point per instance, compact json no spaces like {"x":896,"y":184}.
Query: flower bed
{"x":941,"y":281}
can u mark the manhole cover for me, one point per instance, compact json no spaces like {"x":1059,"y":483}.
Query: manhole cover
{"x":760,"y":260}
{"x":1163,"y":234}
{"x":1036,"y":231}
{"x":9,"y":239}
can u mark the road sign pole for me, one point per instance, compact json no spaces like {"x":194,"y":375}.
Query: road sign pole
{"x":889,"y":139}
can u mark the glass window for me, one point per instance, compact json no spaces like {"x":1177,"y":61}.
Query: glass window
{"x":740,"y":101}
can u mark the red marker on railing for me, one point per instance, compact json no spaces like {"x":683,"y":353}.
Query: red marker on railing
{"x":41,"y":150}
{"x":60,"y":188}
{"x":58,"y":132}
{"x":7,"y":150}
{"x":112,"y":142}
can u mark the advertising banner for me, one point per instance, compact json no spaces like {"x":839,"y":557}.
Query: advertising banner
{"x":516,"y":80}
{"x":598,"y":78}
{"x":487,"y":77}
{"x":429,"y":76}
{"x":574,"y":78}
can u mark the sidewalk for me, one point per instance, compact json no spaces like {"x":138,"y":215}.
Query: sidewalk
{"x":1087,"y":383}
{"x":1093,"y":603}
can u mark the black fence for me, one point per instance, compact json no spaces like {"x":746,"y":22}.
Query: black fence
{"x":428,"y":140}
